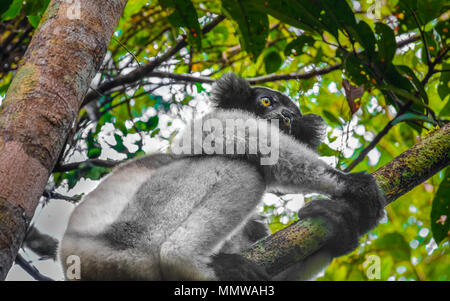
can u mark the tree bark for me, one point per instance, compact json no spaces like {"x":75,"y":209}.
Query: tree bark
{"x":295,"y":243}
{"x":42,"y":105}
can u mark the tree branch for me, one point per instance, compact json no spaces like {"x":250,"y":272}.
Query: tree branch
{"x":251,"y":80}
{"x":267,"y":78}
{"x":54,"y":195}
{"x":143,"y":71}
{"x":90,"y":162}
{"x":147,"y":70}
{"x":377,"y":138}
{"x":293,"y":244}
{"x":31,"y":269}
{"x":41,"y":106}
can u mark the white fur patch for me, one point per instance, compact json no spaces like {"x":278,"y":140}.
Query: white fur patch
{"x":102,"y":207}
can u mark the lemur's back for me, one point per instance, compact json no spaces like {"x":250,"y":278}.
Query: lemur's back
{"x":117,"y":220}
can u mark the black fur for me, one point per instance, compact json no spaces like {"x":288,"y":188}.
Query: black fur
{"x":232,"y":92}
{"x":350,"y":215}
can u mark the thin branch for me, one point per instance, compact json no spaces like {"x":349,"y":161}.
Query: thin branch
{"x":263,"y":79}
{"x":57,"y":196}
{"x":90,"y":162}
{"x":31,"y":269}
{"x":422,"y":35}
{"x":143,"y":71}
{"x":297,"y":76}
{"x":251,"y":80}
{"x":377,"y":139}
{"x":127,"y":50}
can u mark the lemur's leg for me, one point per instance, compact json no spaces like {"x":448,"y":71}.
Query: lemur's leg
{"x":254,"y":230}
{"x":192,"y":251}
{"x":88,"y":258}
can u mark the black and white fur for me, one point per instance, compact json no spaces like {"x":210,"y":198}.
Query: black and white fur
{"x":169,"y":217}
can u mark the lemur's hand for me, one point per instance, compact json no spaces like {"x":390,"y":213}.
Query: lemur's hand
{"x":351,"y":214}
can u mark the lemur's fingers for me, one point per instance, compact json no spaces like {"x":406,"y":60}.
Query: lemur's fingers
{"x":364,"y":195}
{"x":342,"y":221}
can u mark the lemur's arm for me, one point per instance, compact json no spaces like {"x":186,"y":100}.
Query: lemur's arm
{"x":355,"y":206}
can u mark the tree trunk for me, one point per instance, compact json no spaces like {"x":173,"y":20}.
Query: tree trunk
{"x":42,"y":105}
{"x":301,"y":239}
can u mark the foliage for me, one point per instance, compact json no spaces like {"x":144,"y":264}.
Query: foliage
{"x":404,"y":84}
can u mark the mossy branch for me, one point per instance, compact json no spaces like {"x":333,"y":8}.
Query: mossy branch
{"x":296,"y":242}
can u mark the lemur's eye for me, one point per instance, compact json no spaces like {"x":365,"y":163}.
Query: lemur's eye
{"x":265,"y":101}
{"x":287,"y":122}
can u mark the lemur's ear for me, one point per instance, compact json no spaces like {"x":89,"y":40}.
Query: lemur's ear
{"x":310,"y":129}
{"x":231,"y":91}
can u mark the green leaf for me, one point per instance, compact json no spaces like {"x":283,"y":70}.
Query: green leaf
{"x":291,"y":12}
{"x":184,"y":15}
{"x":395,"y":244}
{"x":444,"y":82}
{"x":13,"y":10}
{"x":429,"y":9}
{"x":34,"y":20}
{"x":119,"y":147}
{"x":72,"y":178}
{"x":253,"y":25}
{"x":155,"y":132}
{"x":326,"y":151}
{"x":394,"y":77}
{"x":412,"y":116}
{"x":386,"y":42}
{"x":407,"y":72}
{"x":272,"y":62}
{"x":404,"y":94}
{"x":4,"y":5}
{"x":33,"y":7}
{"x":405,"y":9}
{"x":199,"y":87}
{"x":362,"y":33}
{"x":355,"y":69}
{"x":296,"y":46}
{"x":152,"y":122}
{"x":96,"y":172}
{"x":94,"y":148}
{"x":440,"y":210}
{"x":341,"y":10}
{"x":445,"y":112}
{"x":134,"y":7}
{"x":331,"y":118}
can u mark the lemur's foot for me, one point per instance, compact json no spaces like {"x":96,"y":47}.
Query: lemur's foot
{"x":351,"y":214}
{"x":341,"y":221}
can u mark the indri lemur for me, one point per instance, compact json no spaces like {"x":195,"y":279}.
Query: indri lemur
{"x":174,"y":217}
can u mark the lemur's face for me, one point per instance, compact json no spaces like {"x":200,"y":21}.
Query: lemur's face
{"x":232,"y":92}
{"x":270,"y":104}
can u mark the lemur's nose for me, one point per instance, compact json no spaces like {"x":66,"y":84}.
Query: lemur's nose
{"x":286,"y":115}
